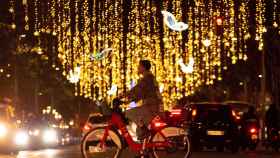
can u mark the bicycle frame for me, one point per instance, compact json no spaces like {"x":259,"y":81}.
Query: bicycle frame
{"x":117,"y":121}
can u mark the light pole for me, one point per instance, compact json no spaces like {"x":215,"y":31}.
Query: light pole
{"x":16,"y":80}
{"x":263,"y":81}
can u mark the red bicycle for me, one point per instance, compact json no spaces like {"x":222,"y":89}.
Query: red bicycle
{"x":109,"y":141}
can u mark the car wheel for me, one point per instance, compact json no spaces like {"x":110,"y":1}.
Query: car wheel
{"x":234,"y":148}
{"x":276,"y":148}
{"x":243,"y":147}
{"x":196,"y":146}
{"x":253,"y":147}
{"x":220,"y":148}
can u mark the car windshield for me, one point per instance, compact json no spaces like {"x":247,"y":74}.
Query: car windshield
{"x":241,"y":108}
{"x":36,"y":123}
{"x":212,"y":113}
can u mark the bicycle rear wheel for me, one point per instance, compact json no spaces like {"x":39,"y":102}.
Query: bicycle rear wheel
{"x":179,"y":140}
{"x":91,"y":145}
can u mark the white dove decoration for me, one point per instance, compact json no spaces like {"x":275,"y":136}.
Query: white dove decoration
{"x":100,"y":55}
{"x":188,"y":68}
{"x":132,"y":105}
{"x":113,"y":90}
{"x":171,"y":22}
{"x":132,"y":84}
{"x":74,"y":75}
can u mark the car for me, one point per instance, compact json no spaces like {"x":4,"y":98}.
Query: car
{"x":213,"y":125}
{"x":40,"y":134}
{"x":12,"y":138}
{"x":178,"y":116}
{"x":94,"y":120}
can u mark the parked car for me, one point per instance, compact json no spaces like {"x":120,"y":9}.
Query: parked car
{"x":94,"y":120}
{"x":213,"y":125}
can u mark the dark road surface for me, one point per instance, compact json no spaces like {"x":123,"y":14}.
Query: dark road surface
{"x":73,"y":152}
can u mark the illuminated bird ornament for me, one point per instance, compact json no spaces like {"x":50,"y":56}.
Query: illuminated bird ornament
{"x":132,"y":84}
{"x":74,"y":76}
{"x":206,"y":42}
{"x":132,"y":105}
{"x":186,"y":68}
{"x":113,"y":90}
{"x":171,"y":22}
{"x":100,"y":55}
{"x":161,"y":88}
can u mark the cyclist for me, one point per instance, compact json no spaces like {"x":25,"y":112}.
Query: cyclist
{"x":146,"y":91}
{"x":249,"y":118}
{"x":272,"y":118}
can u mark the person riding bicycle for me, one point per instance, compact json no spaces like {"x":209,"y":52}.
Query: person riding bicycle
{"x":147,"y":92}
{"x":249,"y":118}
{"x":272,"y":117}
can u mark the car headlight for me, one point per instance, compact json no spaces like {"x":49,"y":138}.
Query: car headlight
{"x":21,"y":138}
{"x":3,"y":130}
{"x":50,"y":136}
{"x":35,"y":132}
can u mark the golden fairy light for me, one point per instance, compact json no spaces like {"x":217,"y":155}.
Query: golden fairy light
{"x":217,"y":31}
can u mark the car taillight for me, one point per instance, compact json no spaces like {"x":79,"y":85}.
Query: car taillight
{"x":159,"y":124}
{"x":87,"y":127}
{"x":176,"y":112}
{"x":235,"y":115}
{"x":253,"y":130}
{"x":194,"y":112}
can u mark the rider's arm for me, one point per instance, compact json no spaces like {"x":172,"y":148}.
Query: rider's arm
{"x":136,"y":93}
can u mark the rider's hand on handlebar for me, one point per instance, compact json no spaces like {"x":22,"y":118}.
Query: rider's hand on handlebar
{"x":121,"y":95}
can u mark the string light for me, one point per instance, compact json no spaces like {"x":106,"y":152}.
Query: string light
{"x":260,"y":28}
{"x":36,"y":22}
{"x":12,"y":12}
{"x":212,"y":34}
{"x":26,"y":19}
{"x":206,"y":42}
{"x":275,"y":24}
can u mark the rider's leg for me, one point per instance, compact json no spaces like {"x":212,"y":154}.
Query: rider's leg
{"x":142,"y":115}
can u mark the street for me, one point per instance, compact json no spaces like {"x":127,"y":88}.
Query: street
{"x":73,"y":152}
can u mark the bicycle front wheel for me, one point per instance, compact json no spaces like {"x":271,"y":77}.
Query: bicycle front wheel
{"x":92,"y":147}
{"x":179,"y":143}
